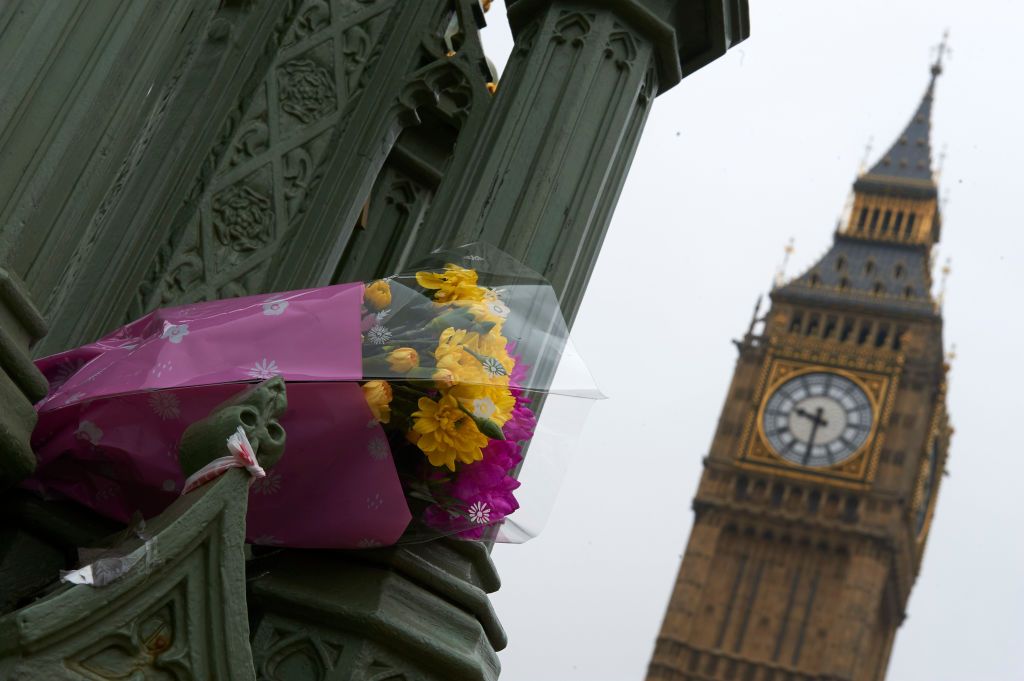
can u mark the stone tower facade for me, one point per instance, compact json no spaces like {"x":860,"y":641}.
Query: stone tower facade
{"x":819,"y":489}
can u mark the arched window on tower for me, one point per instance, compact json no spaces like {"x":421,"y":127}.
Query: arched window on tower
{"x":862,"y":220}
{"x":844,"y":284}
{"x":896,"y":225}
{"x":813,"y":323}
{"x":899,"y":271}
{"x":879,"y":288}
{"x":864,"y":333}
{"x":885,"y":222}
{"x":844,"y":335}
{"x":881,"y":335}
{"x":841,"y":263}
{"x":869,"y":267}
{"x":897,"y":339}
{"x":830,"y":327}
{"x":874,"y":221}
{"x":909,"y":230}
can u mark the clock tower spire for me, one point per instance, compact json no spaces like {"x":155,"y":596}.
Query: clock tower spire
{"x":819,"y":487}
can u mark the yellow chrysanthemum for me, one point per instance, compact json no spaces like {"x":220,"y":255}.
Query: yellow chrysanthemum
{"x":494,"y":402}
{"x":488,"y":309}
{"x":494,"y":346}
{"x":455,"y":283}
{"x":447,"y":434}
{"x":454,"y":363}
{"x":465,"y":357}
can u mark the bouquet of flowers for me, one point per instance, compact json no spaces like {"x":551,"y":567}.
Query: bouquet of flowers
{"x":409,"y":402}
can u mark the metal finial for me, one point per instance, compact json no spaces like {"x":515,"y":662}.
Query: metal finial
{"x":780,"y":274}
{"x":941,"y":51}
{"x":867,"y":154}
{"x":753,"y":318}
{"x":946,"y":269}
{"x":951,"y":355}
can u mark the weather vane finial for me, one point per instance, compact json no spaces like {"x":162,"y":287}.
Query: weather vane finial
{"x":780,"y":274}
{"x":941,"y":51}
{"x":867,"y":155}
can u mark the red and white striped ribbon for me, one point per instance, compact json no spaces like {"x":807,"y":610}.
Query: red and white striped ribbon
{"x":242,"y":456}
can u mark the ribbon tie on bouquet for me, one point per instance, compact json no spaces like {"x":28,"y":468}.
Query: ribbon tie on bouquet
{"x":241,"y":456}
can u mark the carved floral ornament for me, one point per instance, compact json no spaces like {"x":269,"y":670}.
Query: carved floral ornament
{"x":306,"y":90}
{"x":243,"y":218}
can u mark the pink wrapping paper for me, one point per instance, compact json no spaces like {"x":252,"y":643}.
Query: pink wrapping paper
{"x":108,"y":431}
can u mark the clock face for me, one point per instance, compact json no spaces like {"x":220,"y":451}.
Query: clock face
{"x":817,"y":419}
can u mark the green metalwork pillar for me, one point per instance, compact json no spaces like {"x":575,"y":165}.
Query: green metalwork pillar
{"x":543,"y":179}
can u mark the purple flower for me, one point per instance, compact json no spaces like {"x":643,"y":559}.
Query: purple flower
{"x":484,"y":489}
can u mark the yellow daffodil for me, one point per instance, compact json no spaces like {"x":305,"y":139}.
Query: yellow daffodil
{"x":378,"y":396}
{"x":447,"y":434}
{"x":456,"y":283}
{"x":402,"y":360}
{"x":378,"y":295}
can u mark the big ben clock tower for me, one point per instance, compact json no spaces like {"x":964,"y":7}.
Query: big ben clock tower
{"x":817,"y":495}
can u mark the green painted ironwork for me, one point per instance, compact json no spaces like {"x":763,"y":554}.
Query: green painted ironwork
{"x":205,"y":149}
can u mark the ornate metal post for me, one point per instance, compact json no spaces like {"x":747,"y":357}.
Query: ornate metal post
{"x":262,"y":131}
{"x":544,"y":177}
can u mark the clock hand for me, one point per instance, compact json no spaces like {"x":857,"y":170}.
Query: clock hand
{"x":817,"y":420}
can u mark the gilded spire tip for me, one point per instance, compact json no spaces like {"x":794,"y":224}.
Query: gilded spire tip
{"x":941,"y":50}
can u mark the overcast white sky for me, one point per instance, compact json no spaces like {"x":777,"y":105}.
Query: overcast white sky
{"x":753,"y":149}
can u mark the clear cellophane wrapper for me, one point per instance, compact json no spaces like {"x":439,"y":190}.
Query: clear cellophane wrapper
{"x":426,"y":404}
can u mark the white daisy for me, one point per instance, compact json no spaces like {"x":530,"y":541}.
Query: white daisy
{"x":268,"y":484}
{"x":484,"y":407}
{"x":264,"y":369}
{"x":89,"y":431}
{"x":160,"y":368}
{"x":175,"y":332}
{"x":378,"y":448}
{"x":473,"y":258}
{"x":273,"y":308}
{"x":498,"y":308}
{"x":374,"y":502}
{"x":480,"y":513}
{"x":493,"y":367}
{"x":165,"y":405}
{"x":367,"y":543}
{"x":379,"y":335}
